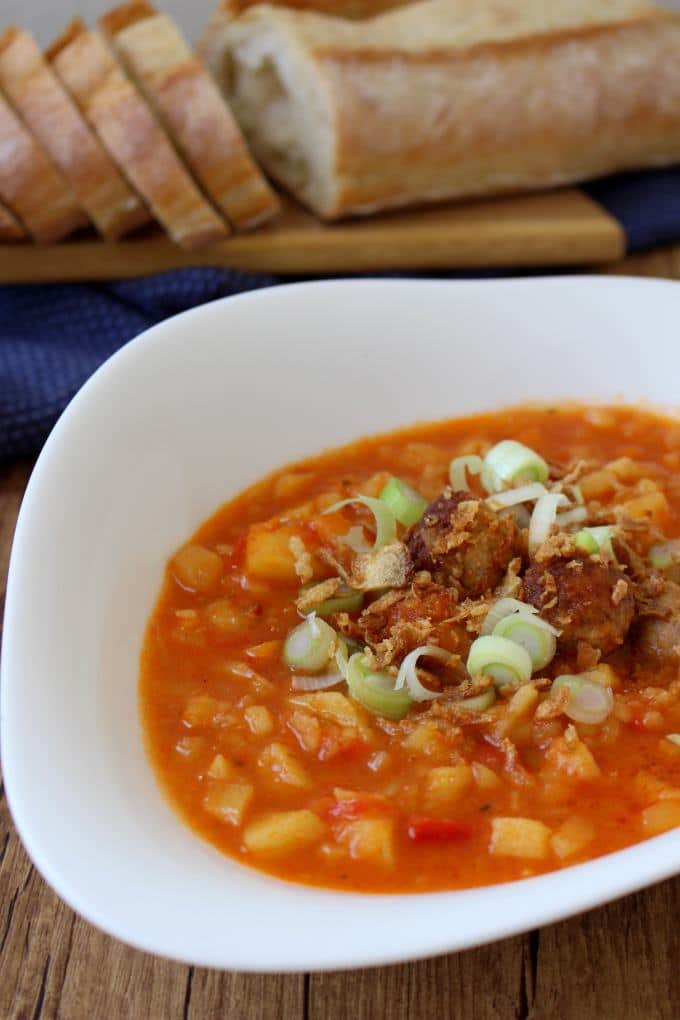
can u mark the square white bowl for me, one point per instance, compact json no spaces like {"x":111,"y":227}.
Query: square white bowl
{"x":171,"y":427}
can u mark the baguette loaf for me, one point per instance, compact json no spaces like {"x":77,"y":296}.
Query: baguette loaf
{"x":31,"y":186}
{"x":55,"y":121}
{"x":133,"y":137}
{"x":189,"y":104}
{"x":10,"y":228}
{"x":453,"y":98}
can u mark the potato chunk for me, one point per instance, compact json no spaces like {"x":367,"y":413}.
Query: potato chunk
{"x":519,"y":837}
{"x":268,"y":553}
{"x":661,"y":817}
{"x":572,"y":836}
{"x":444,"y":786}
{"x":370,"y":839}
{"x":283,"y":832}
{"x":284,"y":766}
{"x":260,"y":720}
{"x":228,"y":803}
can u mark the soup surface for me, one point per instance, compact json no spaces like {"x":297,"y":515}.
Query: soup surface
{"x":469,"y":677}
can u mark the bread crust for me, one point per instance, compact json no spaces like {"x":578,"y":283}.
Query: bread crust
{"x":423,"y":106}
{"x":10,"y":228}
{"x":193,"y":111}
{"x":31,"y":186}
{"x":59,"y":127}
{"x":133,"y":137}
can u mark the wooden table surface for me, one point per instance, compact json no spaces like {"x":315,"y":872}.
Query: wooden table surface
{"x":620,"y":962}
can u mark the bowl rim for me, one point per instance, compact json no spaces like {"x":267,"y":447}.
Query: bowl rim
{"x":643,"y":863}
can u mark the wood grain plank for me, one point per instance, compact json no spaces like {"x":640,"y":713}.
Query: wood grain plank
{"x":556,"y":228}
{"x":246,"y":996}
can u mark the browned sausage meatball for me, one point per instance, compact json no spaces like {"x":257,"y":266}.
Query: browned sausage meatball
{"x":658,"y":631}
{"x":463,"y":543}
{"x":588,"y":600}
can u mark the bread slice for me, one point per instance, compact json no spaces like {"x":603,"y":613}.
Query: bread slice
{"x":47,"y":110}
{"x":130,"y":132}
{"x":10,"y":228}
{"x":190,"y":106}
{"x":31,"y":186}
{"x":453,"y":98}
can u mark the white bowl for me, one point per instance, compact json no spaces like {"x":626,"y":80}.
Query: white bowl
{"x":172,"y":426}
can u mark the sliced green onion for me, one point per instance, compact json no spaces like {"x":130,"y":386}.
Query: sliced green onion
{"x":501,"y":659}
{"x":344,"y":600}
{"x":376,"y":691}
{"x":407,"y":505}
{"x":664,"y":554}
{"x":478,"y":703}
{"x":504,"y":607}
{"x":596,"y":541}
{"x":310,"y":646}
{"x":524,"y":494}
{"x":533,"y":634}
{"x":589,"y":702}
{"x":408,"y":677}
{"x":385,"y":523}
{"x":543,"y":518}
{"x":574,"y":516}
{"x":461,"y":467}
{"x":513,"y":462}
{"x":674,"y":738}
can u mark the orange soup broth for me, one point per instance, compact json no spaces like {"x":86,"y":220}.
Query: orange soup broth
{"x":181,"y":661}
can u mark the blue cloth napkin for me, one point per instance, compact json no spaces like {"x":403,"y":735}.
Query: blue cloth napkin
{"x":52,"y":338}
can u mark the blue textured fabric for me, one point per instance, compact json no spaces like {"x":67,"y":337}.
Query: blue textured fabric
{"x":52,"y":338}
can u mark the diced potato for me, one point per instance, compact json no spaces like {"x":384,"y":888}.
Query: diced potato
{"x":287,"y":486}
{"x":519,"y":837}
{"x":307,"y":730}
{"x":521,"y":705}
{"x":283,"y":832}
{"x":570,"y":756}
{"x":220,"y":768}
{"x":335,"y":707}
{"x":425,"y":739}
{"x":661,"y":817}
{"x":627,"y":470}
{"x":198,"y":568}
{"x":284,"y":766}
{"x":228,"y":803}
{"x":268,"y":553}
{"x":190,"y":747}
{"x":648,"y":789}
{"x":201,"y":710}
{"x":225,"y":617}
{"x":598,"y":485}
{"x":652,"y":506}
{"x":265,"y":651}
{"x":485,"y":778}
{"x":572,"y":836}
{"x":259,"y":719}
{"x":370,"y":839}
{"x":444,"y":786}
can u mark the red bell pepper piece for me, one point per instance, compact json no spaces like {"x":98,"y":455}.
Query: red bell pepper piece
{"x":437,"y":830}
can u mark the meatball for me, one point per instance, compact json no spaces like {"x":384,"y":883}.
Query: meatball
{"x":463,"y":543}
{"x":402,"y":620}
{"x":586,"y":599}
{"x":658,"y":630}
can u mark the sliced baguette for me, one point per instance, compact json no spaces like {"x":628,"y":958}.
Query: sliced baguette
{"x":130,"y":132}
{"x":193,"y":111}
{"x":10,"y":228}
{"x":31,"y":186}
{"x":454,"y":98}
{"x":48,"y":111}
{"x":210,"y":45}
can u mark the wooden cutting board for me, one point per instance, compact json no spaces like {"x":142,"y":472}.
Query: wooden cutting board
{"x":558,"y":228}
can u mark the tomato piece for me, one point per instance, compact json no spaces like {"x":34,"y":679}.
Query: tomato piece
{"x":437,"y":830}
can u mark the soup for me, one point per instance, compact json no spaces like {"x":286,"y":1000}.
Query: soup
{"x":440,"y":658}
